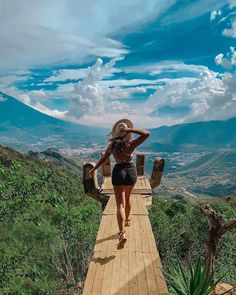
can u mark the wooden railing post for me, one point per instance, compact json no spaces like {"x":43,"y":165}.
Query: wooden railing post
{"x":140,"y":164}
{"x":157,"y":171}
{"x":91,"y":187}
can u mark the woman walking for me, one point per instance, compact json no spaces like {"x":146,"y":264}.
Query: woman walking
{"x":124,"y":174}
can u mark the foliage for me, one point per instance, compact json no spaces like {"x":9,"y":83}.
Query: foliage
{"x":48,"y":227}
{"x":180,"y":230}
{"x":197,"y":283}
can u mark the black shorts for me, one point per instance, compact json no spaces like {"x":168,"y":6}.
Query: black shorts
{"x":124,"y":174}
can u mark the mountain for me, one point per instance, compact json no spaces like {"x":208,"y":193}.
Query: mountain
{"x":26,"y":128}
{"x":211,"y":175}
{"x":197,"y":136}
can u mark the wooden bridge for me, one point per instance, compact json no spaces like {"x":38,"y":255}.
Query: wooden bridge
{"x":136,"y":269}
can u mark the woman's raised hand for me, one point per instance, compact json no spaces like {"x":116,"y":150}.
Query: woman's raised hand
{"x":125,"y":129}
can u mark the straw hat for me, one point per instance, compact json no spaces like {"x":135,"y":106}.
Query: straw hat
{"x":116,"y":132}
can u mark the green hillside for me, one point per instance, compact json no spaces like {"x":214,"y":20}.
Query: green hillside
{"x":195,"y":137}
{"x":211,"y":175}
{"x":180,"y":230}
{"x":48,"y":226}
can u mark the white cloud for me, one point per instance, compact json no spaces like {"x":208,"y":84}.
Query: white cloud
{"x":10,"y":79}
{"x":167,"y":66}
{"x":232,"y":3}
{"x":67,"y":74}
{"x":37,"y":33}
{"x":210,"y":97}
{"x":227,"y":62}
{"x":94,"y":101}
{"x":193,"y":9}
{"x":214,"y":14}
{"x":54,"y":113}
{"x":232,"y":31}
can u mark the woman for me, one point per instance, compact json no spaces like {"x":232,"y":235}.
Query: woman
{"x":124,"y":174}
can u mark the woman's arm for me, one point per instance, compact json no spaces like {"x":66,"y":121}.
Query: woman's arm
{"x":144,"y":134}
{"x":102,"y":159}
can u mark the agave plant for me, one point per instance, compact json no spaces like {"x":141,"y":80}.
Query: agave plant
{"x":198,"y":283}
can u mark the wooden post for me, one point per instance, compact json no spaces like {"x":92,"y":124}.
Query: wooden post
{"x":216,"y":231}
{"x":157,"y":171}
{"x":140,"y":164}
{"x":106,"y":166}
{"x":91,"y":187}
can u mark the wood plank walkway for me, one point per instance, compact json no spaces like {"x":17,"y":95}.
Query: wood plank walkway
{"x":134,"y":270}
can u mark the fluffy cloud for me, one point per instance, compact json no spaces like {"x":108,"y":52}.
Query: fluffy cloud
{"x":232,"y":31}
{"x":51,"y":112}
{"x":19,"y":76}
{"x":168,"y":66}
{"x":227,"y":62}
{"x":37,"y":33}
{"x":209,"y":97}
{"x":214,"y":14}
{"x":88,"y":97}
{"x":99,"y":101}
{"x":192,"y":9}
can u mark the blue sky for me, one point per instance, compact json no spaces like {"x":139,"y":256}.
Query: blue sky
{"x":159,"y":62}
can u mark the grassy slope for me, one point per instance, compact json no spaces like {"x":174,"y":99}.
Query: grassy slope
{"x":180,"y":229}
{"x":46,"y":218}
{"x":48,"y":226}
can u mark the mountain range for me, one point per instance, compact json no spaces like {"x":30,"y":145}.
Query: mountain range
{"x":26,"y":128}
{"x":196,"y":136}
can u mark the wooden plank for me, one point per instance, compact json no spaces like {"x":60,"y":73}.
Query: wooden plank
{"x":133,"y":279}
{"x":141,"y":276}
{"x":134,"y":206}
{"x":161,"y":283}
{"x":138,"y":240}
{"x":115,"y":286}
{"x":98,"y":280}
{"x":89,"y":282}
{"x":151,"y":238}
{"x":144,"y":234}
{"x":107,"y":282}
{"x":141,"y":208}
{"x":131,"y":239}
{"x":124,"y":273}
{"x":100,"y":234}
{"x":134,"y":270}
{"x":113,"y":238}
{"x":150,"y":273}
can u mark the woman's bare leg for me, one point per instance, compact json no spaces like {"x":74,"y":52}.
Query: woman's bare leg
{"x":120,"y":204}
{"x":128,"y":190}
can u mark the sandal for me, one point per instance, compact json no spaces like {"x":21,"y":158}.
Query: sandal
{"x":127,"y":222}
{"x":122,"y":240}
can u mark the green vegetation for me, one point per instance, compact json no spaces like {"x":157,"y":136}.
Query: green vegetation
{"x":180,"y":229}
{"x":192,"y":283}
{"x":48,"y":226}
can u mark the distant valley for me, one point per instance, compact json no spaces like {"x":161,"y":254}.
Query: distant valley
{"x":200,"y":157}
{"x":25,"y":128}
